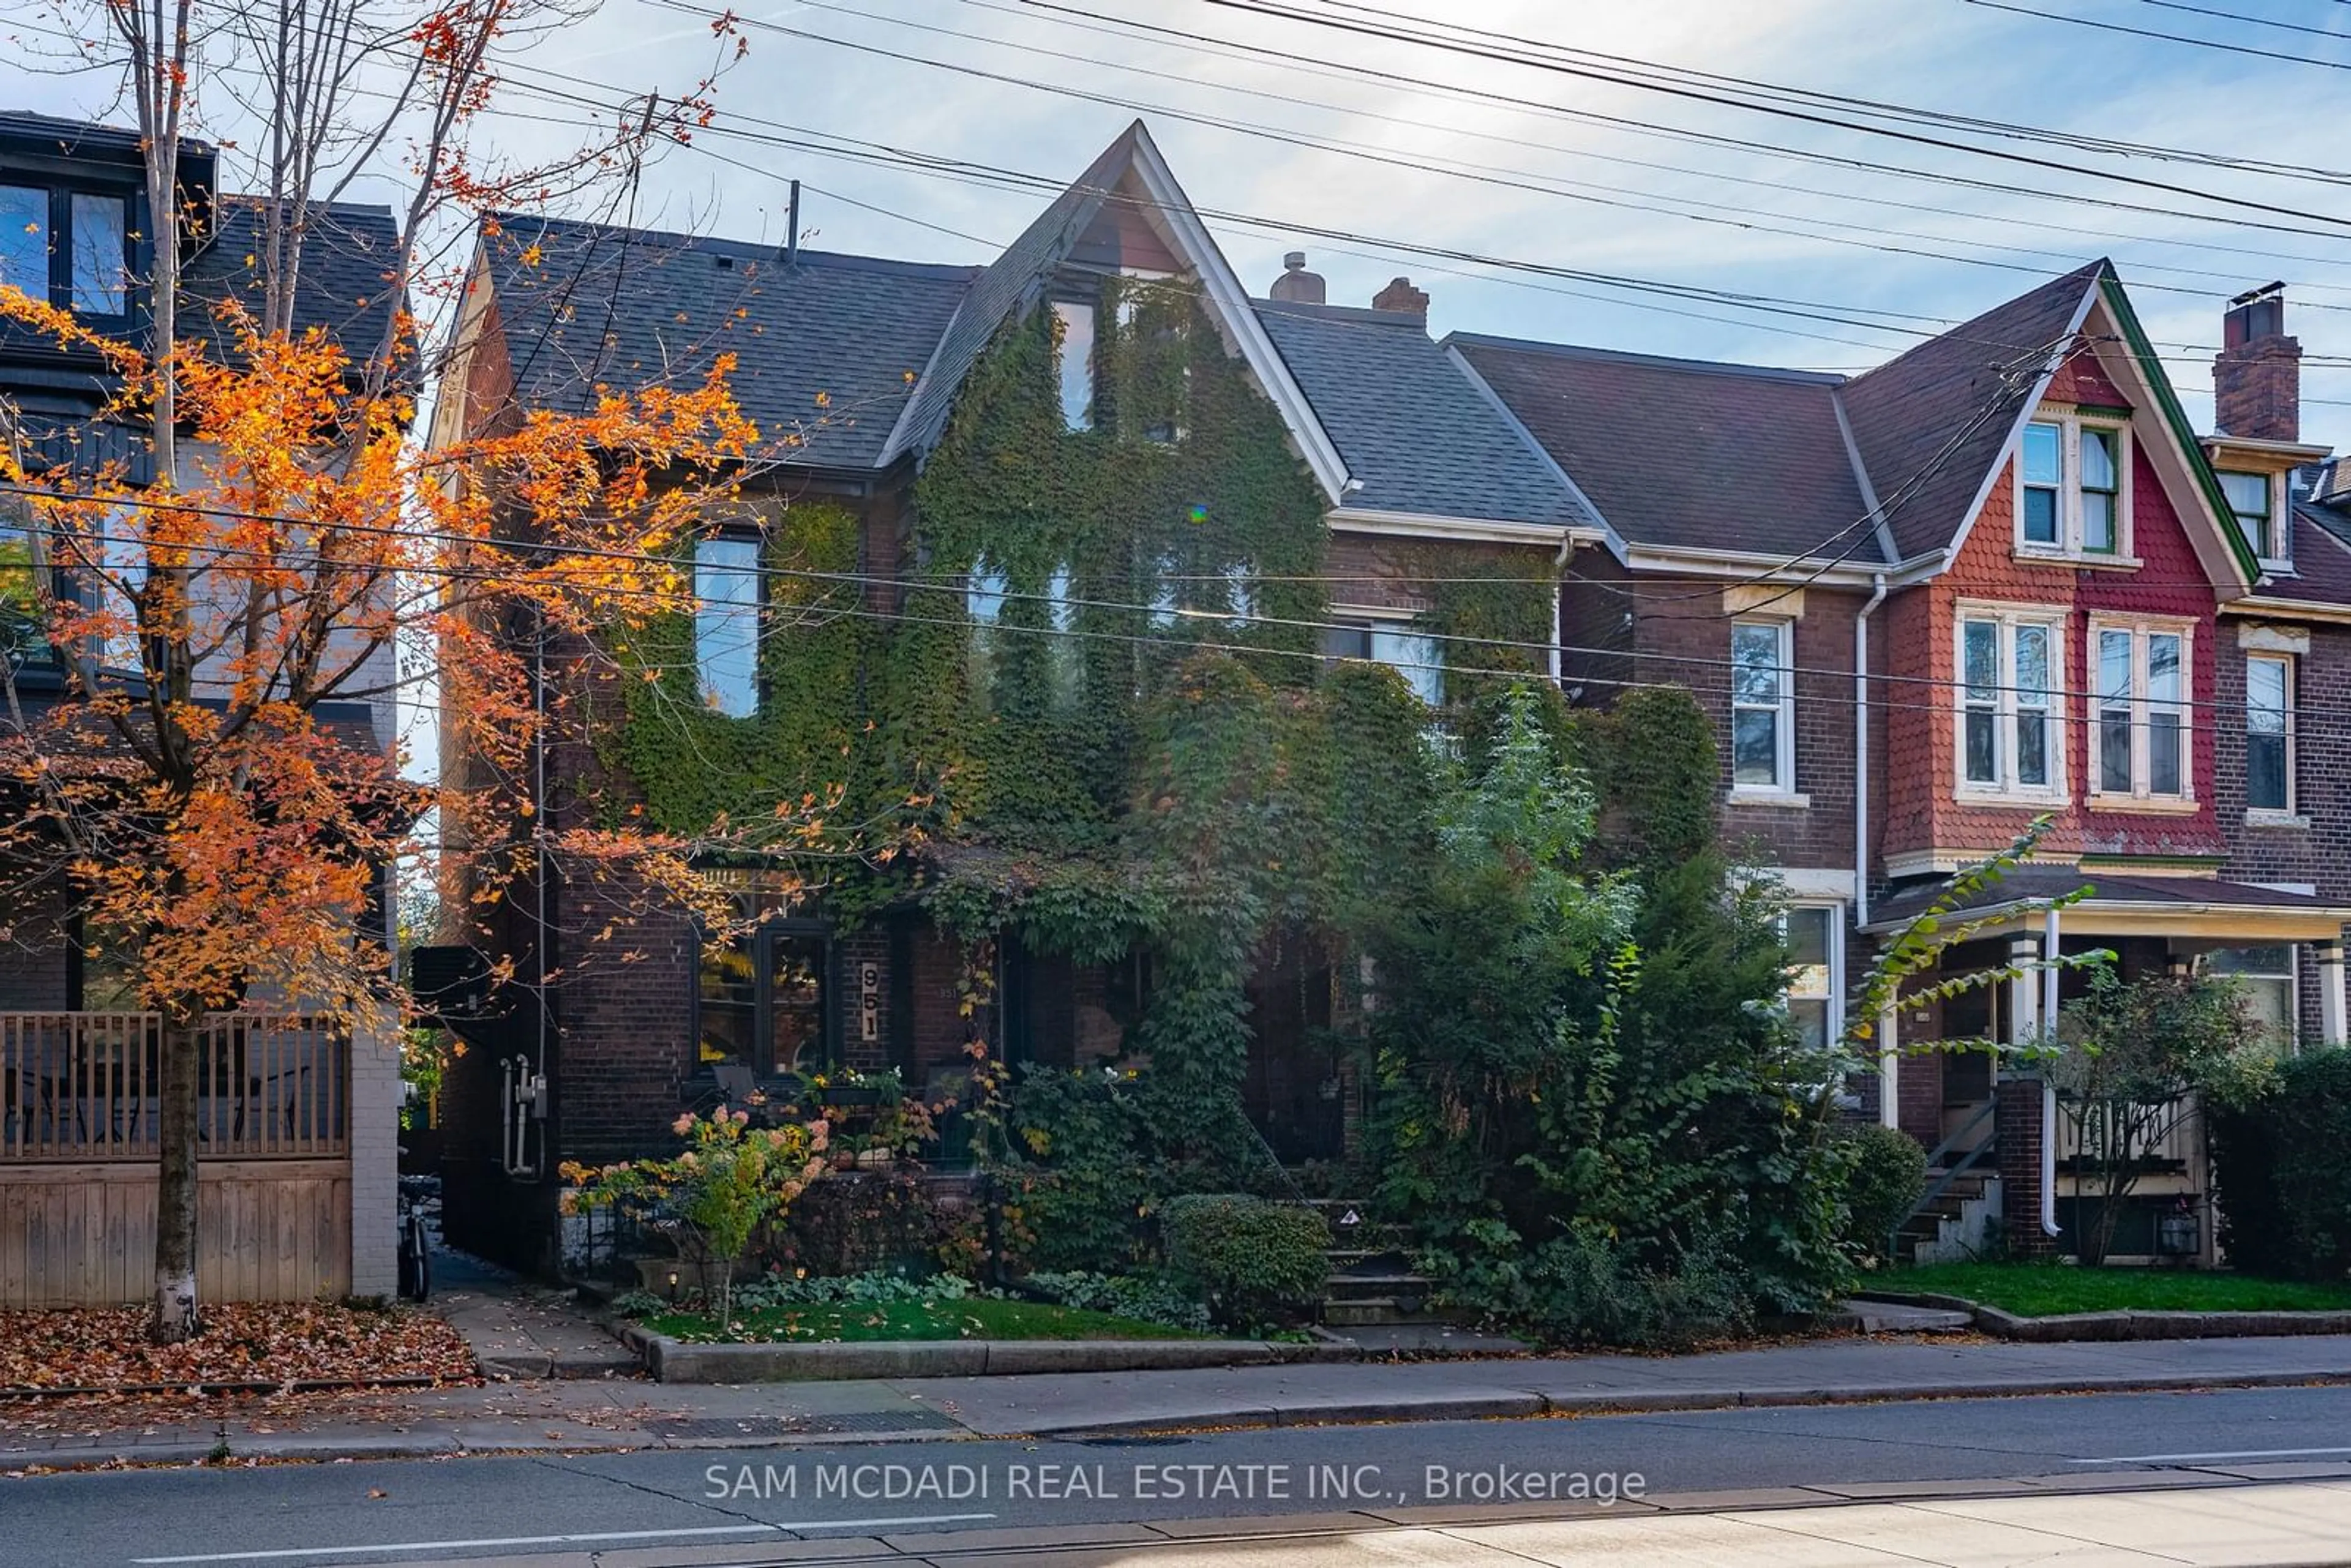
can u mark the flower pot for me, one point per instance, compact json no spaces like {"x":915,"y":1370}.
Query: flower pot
{"x":875,"y":1159}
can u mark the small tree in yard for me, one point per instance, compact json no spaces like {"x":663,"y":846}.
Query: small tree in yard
{"x":731,"y":1179}
{"x":184,"y":803}
{"x":2131,"y":1057}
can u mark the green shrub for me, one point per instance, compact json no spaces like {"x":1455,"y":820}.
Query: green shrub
{"x":2282,"y":1170}
{"x":856,"y":1222}
{"x":1256,"y":1262}
{"x":1077,"y":1186}
{"x":1884,"y":1183}
{"x":1146,"y":1298}
{"x":1586,"y":1287}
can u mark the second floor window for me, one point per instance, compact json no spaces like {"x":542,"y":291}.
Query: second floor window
{"x":2008,"y":705}
{"x":1762,"y":706}
{"x":70,"y":248}
{"x":1410,"y":654}
{"x":727,"y":623}
{"x":2269,"y":733}
{"x":2140,"y":681}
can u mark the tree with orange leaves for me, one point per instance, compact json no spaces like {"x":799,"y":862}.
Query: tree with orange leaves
{"x":182,"y":800}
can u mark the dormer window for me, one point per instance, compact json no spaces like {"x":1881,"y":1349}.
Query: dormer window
{"x":2070,"y":498}
{"x":70,"y":248}
{"x":2252,"y":501}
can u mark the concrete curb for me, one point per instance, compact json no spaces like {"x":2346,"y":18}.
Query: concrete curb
{"x":677,"y":1360}
{"x":2069,"y":1327}
{"x":487,"y":1436}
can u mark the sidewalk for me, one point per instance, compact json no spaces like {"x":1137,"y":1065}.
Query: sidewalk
{"x":628,"y":1413}
{"x":2282,"y":1522}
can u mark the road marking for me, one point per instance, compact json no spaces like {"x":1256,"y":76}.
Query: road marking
{"x":2225,"y":1454}
{"x":286,"y":1553}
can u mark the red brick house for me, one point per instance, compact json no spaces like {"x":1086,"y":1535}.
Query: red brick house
{"x":1406,"y":453}
{"x":1996,"y":577}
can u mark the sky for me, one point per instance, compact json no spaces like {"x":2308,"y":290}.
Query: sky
{"x":1311,"y":141}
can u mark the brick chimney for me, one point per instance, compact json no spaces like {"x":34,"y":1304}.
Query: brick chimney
{"x":1402,"y":298}
{"x":2257,"y":378}
{"x":1297,"y":284}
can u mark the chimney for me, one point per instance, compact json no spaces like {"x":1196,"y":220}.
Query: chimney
{"x":1402,"y":298}
{"x":1297,"y":284}
{"x":2257,"y":378}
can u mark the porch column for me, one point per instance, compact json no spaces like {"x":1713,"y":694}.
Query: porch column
{"x":2330,"y":993}
{"x":2024,"y":991}
{"x":375,"y":1162}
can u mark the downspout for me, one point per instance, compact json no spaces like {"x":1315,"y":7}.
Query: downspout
{"x":1889,"y":1066}
{"x":2048,"y":1088}
{"x":1559,"y":600}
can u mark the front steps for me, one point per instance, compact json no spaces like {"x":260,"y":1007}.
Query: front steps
{"x":1956,"y":1227}
{"x":1373,"y":1282}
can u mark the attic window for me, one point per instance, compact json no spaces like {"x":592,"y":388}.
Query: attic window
{"x":70,"y":248}
{"x":1073,"y":338}
{"x":726,"y":263}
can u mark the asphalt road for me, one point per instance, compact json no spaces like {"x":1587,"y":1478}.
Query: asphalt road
{"x":312,"y":1516}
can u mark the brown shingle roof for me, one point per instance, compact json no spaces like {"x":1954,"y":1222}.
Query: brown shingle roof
{"x":1687,"y":453}
{"x":1931,"y":422}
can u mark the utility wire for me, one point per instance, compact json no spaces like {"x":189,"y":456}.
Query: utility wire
{"x":2167,"y":38}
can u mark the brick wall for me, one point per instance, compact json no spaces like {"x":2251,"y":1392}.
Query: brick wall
{"x":1683,"y":636}
{"x":1376,"y":571}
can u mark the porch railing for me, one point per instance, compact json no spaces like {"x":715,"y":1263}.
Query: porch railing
{"x":2174,"y":1147}
{"x":84,"y":1086}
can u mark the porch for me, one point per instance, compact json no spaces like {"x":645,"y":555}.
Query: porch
{"x":2005,"y":1156}
{"x":288,"y":1192}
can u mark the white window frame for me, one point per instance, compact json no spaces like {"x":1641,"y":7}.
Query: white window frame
{"x":1832,"y":973}
{"x":2069,"y":546}
{"x":2279,"y":557}
{"x":1384,"y":630}
{"x":2285,"y":811}
{"x":1783,"y":765}
{"x":2140,"y":797}
{"x":1071,"y":316}
{"x":2007,"y":619}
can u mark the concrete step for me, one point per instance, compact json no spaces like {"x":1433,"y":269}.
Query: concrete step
{"x":1380,"y":1312}
{"x":1376,"y":1287}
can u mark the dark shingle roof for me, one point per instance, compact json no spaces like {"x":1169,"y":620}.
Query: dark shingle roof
{"x":1931,"y":422}
{"x":2037,"y":883}
{"x":1001,"y":288}
{"x":1689,"y":454}
{"x":344,"y":285}
{"x":2321,"y":557}
{"x":597,"y":304}
{"x":1416,"y":432}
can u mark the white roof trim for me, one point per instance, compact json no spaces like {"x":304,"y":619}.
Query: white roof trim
{"x":1998,"y":470}
{"x":1195,"y":243}
{"x":1427,"y":526}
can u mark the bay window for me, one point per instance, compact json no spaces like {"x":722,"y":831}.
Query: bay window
{"x":2141,"y":702}
{"x":1762,"y":707}
{"x":2009,"y":707}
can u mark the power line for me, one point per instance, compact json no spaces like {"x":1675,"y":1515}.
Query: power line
{"x":2253,"y":21}
{"x":2151,"y":33}
{"x":1783,"y":111}
{"x":1511,"y":178}
{"x":688,"y":599}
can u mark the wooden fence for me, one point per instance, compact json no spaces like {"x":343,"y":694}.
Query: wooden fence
{"x":78,"y":1142}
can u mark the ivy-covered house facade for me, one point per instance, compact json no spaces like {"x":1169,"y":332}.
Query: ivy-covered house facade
{"x":949,"y":613}
{"x":1998,"y":579}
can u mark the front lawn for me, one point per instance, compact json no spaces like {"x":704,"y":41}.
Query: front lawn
{"x":2047,"y":1289}
{"x":972,"y":1317}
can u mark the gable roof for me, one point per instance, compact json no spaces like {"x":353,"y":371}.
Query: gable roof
{"x":1417,"y":434}
{"x":585,"y":305}
{"x":344,"y":285}
{"x":1690,"y":453}
{"x":1931,"y":423}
